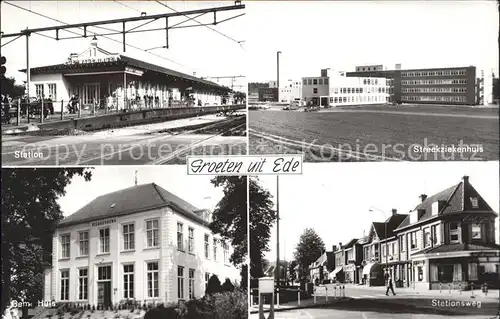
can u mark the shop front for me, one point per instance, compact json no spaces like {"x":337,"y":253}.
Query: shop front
{"x":373,"y":275}
{"x":350,"y":273}
{"x":457,"y":271}
{"x":337,"y":275}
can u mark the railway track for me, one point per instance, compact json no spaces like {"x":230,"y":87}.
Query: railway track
{"x":123,"y":150}
{"x":174,"y":157}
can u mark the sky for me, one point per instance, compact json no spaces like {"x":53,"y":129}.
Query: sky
{"x":196,"y":190}
{"x":334,"y":199}
{"x":196,"y":49}
{"x":342,"y":34}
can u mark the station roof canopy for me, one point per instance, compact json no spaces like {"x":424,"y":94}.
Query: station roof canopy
{"x":101,"y":61}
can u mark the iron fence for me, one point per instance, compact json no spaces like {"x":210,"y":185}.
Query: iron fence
{"x":19,"y":111}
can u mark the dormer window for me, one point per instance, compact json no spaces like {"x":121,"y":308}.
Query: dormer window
{"x":476,"y":231}
{"x":435,"y":208}
{"x":474,"y":202}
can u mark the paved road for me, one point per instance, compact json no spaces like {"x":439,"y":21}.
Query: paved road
{"x":129,"y":146}
{"x":349,"y":314}
{"x":394,"y":307}
{"x":365,"y":134}
{"x":361,"y":291}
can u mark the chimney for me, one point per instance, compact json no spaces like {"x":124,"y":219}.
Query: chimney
{"x":465,"y":179}
{"x":423,"y":197}
{"x":394,"y":211}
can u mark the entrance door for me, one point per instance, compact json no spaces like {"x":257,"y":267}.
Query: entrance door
{"x":91,"y":93}
{"x":104,"y":286}
{"x":324,"y":101}
{"x":315,"y":101}
{"x":104,"y":294}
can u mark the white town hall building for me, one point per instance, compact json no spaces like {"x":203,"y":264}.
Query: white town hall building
{"x":142,"y":243}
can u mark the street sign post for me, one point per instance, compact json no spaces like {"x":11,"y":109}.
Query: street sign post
{"x":266,"y":287}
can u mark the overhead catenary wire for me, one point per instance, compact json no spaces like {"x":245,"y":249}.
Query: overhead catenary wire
{"x":11,"y":41}
{"x":217,"y":31}
{"x":93,"y":33}
{"x":127,"y":6}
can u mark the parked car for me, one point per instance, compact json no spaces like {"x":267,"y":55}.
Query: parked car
{"x":311,"y":108}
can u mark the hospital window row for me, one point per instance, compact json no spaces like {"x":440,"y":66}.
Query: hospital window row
{"x":424,"y":82}
{"x":435,"y":98}
{"x":320,"y":81}
{"x":434,"y":90}
{"x":435,"y":73}
{"x":359,"y":90}
{"x":354,"y":99}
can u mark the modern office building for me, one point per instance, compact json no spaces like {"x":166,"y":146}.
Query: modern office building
{"x":269,"y":94}
{"x":141,"y":243}
{"x":290,"y":91}
{"x":334,"y":88}
{"x":452,"y":86}
{"x":99,"y":77}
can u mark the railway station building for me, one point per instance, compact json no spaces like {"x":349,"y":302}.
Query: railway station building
{"x":141,"y":243}
{"x":120,"y":82}
{"x":448,"y":86}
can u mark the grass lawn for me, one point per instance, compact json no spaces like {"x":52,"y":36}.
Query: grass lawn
{"x":385,"y":133}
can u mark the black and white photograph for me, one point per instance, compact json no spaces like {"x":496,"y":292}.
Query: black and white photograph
{"x":201,"y":159}
{"x":374,"y":80}
{"x":122,"y":82}
{"x":376,"y":240}
{"x":123,"y":242}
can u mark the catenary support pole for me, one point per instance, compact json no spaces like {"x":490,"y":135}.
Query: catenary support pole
{"x":124,"y":31}
{"x":18,"y":120}
{"x":28,"y":75}
{"x":42,"y":111}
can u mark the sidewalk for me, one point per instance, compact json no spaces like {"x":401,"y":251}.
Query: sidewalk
{"x":306,"y":303}
{"x":493,"y":294}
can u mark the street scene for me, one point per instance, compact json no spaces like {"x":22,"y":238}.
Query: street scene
{"x":425,"y":99}
{"x":133,"y":69}
{"x":372,"y":240}
{"x":122,"y":242}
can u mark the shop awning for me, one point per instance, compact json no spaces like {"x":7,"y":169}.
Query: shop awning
{"x":334,"y":273}
{"x":368,"y":268}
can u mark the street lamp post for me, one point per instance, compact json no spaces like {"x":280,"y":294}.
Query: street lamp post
{"x":278,"y":72}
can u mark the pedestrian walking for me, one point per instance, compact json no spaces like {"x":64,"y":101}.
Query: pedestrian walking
{"x":390,"y":286}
